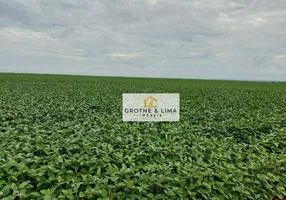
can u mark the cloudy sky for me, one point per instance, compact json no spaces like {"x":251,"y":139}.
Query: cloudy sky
{"x":215,"y":39}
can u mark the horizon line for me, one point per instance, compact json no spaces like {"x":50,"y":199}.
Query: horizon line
{"x":172,"y":78}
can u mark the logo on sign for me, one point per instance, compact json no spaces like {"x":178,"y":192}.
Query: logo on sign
{"x":151,"y":107}
{"x":150,"y":102}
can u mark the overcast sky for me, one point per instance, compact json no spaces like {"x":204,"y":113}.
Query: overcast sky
{"x":215,"y":39}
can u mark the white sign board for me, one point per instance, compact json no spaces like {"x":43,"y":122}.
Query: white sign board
{"x":151,"y":107}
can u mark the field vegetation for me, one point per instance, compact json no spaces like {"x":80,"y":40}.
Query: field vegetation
{"x":62,"y":137}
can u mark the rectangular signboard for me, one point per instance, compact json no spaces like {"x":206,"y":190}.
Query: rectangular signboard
{"x":151,"y":107}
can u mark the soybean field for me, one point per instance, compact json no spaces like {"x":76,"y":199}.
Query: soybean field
{"x":62,"y":137}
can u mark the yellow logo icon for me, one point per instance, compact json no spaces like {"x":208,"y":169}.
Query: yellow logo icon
{"x":150,"y":102}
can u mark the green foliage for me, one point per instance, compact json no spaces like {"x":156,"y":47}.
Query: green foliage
{"x":62,"y":137}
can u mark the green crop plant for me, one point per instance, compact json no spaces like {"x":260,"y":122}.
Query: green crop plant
{"x":62,"y":137}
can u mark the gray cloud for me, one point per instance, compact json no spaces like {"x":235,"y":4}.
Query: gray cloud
{"x":239,"y":39}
